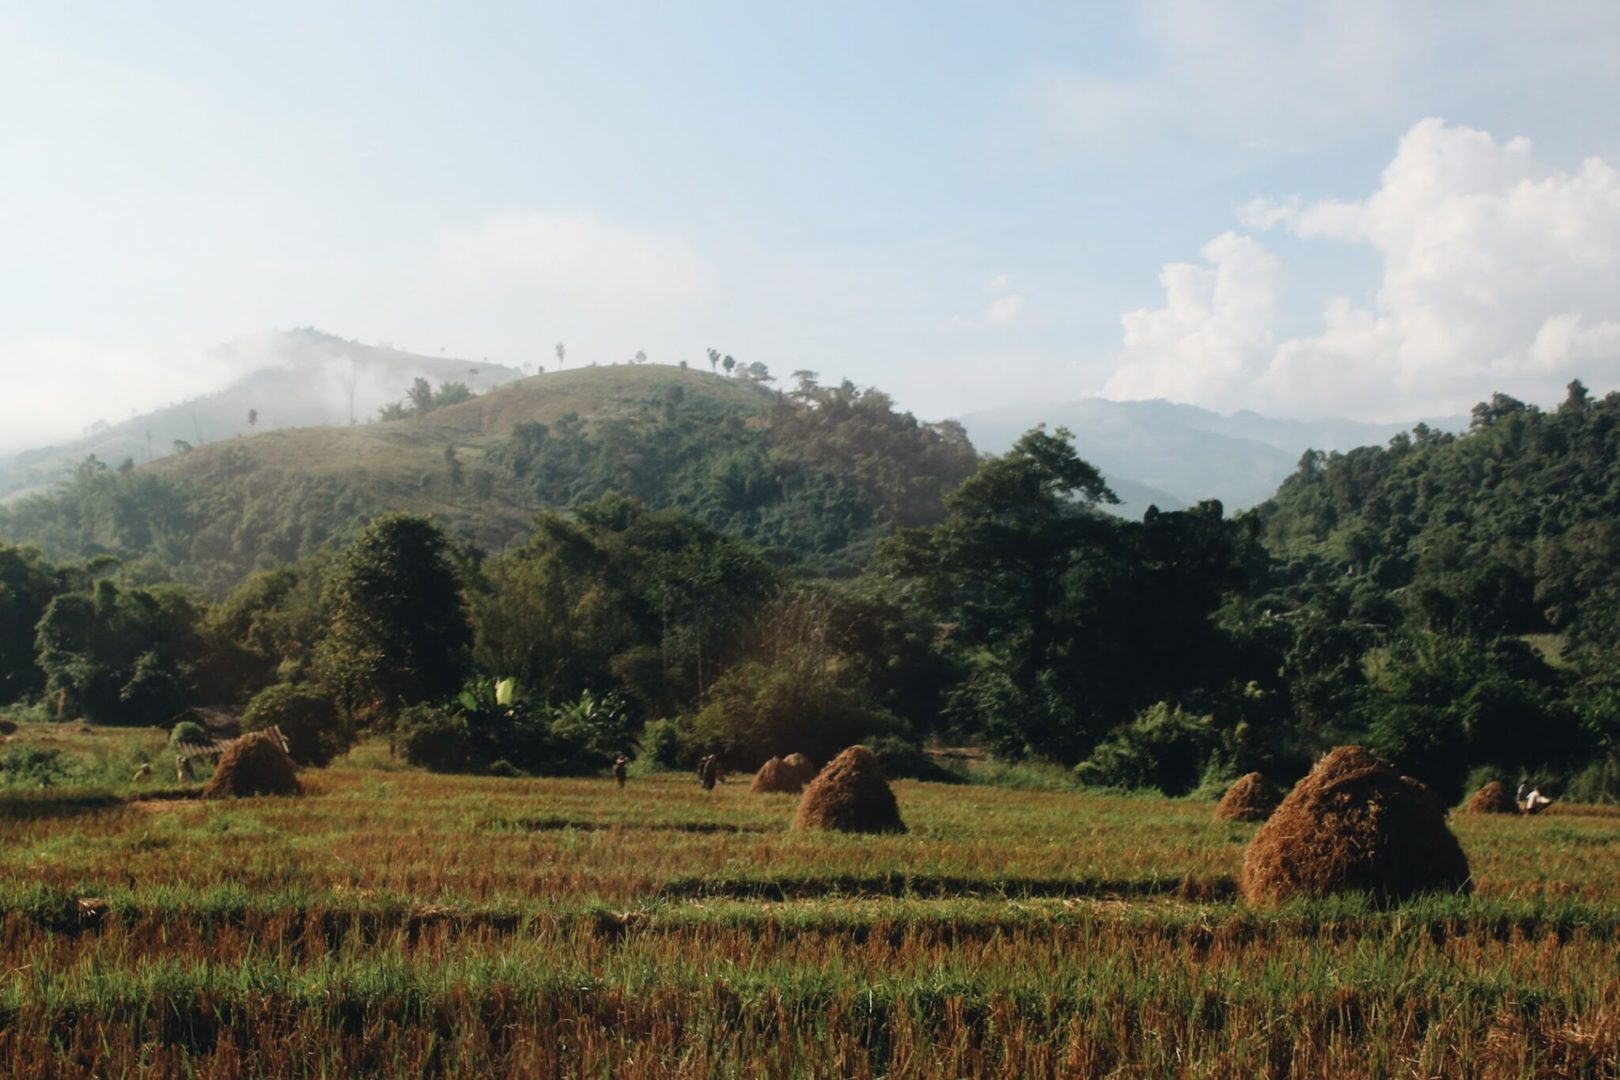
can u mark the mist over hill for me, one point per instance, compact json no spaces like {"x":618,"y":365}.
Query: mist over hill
{"x":293,"y":378}
{"x":1170,"y":455}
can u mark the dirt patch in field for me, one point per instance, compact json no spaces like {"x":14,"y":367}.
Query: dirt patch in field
{"x":1251,"y":798}
{"x":1354,"y":824}
{"x":850,"y":795}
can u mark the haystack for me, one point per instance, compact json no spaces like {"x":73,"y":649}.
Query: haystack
{"x":803,"y":767}
{"x":1252,"y":798}
{"x":253,"y":765}
{"x":850,"y":795}
{"x":1354,"y":824}
{"x":1494,"y":798}
{"x":776,"y":776}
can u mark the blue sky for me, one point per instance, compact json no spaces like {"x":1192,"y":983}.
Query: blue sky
{"x":1304,"y":208}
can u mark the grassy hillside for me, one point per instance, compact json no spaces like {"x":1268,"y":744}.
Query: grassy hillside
{"x":818,"y":473}
{"x":384,"y":464}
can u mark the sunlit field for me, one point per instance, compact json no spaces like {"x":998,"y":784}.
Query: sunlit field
{"x":396,"y":923}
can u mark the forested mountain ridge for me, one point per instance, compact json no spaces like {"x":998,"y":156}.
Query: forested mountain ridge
{"x":294,"y":378}
{"x":1511,"y":528}
{"x":815,"y":474}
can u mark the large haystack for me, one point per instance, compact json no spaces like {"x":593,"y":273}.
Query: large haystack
{"x":253,"y":765}
{"x":1252,"y":798}
{"x":775,"y":776}
{"x":1354,"y":824}
{"x":850,"y":795}
{"x":1494,"y":798}
{"x":802,"y":767}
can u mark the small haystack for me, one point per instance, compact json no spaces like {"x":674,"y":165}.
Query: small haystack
{"x":1494,"y":798}
{"x":850,"y":795}
{"x":776,"y":776}
{"x":802,"y":767}
{"x":1354,"y":824}
{"x":253,"y":765}
{"x":1251,"y":798}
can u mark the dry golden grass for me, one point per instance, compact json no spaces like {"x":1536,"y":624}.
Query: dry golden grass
{"x":398,"y":923}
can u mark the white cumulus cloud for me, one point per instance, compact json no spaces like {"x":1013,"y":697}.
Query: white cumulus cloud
{"x":1213,"y":336}
{"x":1498,"y":272}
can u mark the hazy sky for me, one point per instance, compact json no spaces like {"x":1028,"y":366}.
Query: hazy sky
{"x":1369,"y":209}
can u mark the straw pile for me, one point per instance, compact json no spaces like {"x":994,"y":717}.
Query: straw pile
{"x":253,"y":765}
{"x":1494,"y":798}
{"x":775,"y":776}
{"x":1251,"y":798}
{"x":1352,"y":825}
{"x":850,"y":795}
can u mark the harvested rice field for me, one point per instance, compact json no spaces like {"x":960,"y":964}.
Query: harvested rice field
{"x":396,"y":923}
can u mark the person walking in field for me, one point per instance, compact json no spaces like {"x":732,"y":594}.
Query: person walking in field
{"x":709,"y":772}
{"x":620,"y":774}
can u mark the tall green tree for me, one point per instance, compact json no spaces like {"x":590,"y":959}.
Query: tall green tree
{"x":28,"y":584}
{"x":398,"y":631}
{"x":119,"y":656}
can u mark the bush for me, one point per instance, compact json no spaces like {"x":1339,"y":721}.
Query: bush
{"x":436,"y":738}
{"x":756,"y":711}
{"x":189,"y":733}
{"x":588,"y":734}
{"x":306,"y":715}
{"x":486,"y":726}
{"x":8,"y":727}
{"x":34,"y":766}
{"x":664,"y":742}
{"x":1164,"y":747}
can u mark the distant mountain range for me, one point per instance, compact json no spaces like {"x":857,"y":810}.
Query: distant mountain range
{"x":1161,"y":453}
{"x":296,"y":378}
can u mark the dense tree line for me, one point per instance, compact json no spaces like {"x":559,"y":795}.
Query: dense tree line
{"x":1448,"y":599}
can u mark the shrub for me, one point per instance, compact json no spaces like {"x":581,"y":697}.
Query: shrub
{"x":1164,"y":747}
{"x":189,"y":733}
{"x":306,"y":715}
{"x":436,"y":738}
{"x":487,"y":725}
{"x":755,"y":711}
{"x":664,"y":743}
{"x":34,"y":766}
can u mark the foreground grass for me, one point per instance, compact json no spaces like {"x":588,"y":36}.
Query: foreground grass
{"x":396,"y":923}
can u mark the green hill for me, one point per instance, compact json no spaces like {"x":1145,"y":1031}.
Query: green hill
{"x":817,"y":474}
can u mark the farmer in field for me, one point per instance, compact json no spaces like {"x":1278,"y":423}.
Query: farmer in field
{"x":709,"y":772}
{"x":1536,"y":802}
{"x":619,"y":766}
